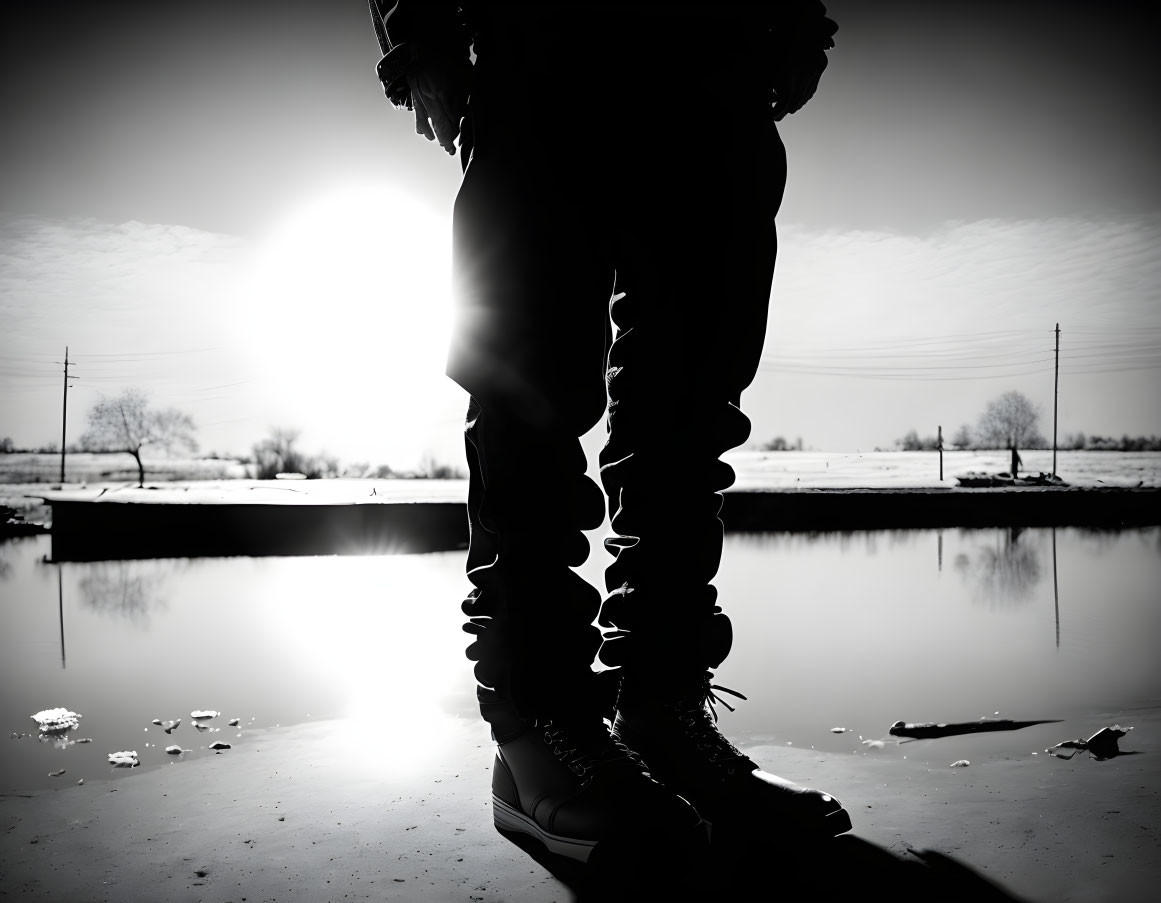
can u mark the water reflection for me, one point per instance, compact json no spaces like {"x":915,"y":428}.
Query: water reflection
{"x":12,"y":550}
{"x":856,"y":629}
{"x":126,"y":589}
{"x":60,"y":610}
{"x":1006,"y":571}
{"x":273,"y":641}
{"x":863,"y":631}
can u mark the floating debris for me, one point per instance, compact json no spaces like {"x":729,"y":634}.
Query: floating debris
{"x":81,"y":781}
{"x":56,"y":774}
{"x":234,"y":722}
{"x":156,"y":721}
{"x":174,"y":750}
{"x":170,"y":726}
{"x":56,"y":721}
{"x":1104,"y":744}
{"x":932,"y":729}
{"x":202,"y":714}
{"x":838,"y":730}
{"x":960,"y":763}
{"x":85,"y":740}
{"x":125,"y":759}
{"x":219,"y":745}
{"x":874,"y":744}
{"x":203,"y":728}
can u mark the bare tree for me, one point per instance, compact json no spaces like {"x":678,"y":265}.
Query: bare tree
{"x":278,"y":453}
{"x":1009,"y":422}
{"x":963,"y":438}
{"x":127,"y":424}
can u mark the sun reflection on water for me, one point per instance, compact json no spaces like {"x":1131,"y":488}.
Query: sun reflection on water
{"x":381,"y":631}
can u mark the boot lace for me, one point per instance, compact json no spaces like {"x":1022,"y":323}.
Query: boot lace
{"x":582,"y":751}
{"x":698,"y":715}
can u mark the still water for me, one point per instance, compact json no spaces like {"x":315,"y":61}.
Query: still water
{"x":853,"y":630}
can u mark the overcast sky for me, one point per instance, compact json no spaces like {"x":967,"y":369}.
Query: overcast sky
{"x":178,"y":182}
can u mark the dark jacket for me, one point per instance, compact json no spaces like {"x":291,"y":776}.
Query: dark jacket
{"x":783,"y":32}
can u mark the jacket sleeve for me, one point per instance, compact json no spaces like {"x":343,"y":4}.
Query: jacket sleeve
{"x":411,"y":31}
{"x":801,"y":27}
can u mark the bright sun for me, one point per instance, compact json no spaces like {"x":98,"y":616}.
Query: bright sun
{"x":348,"y":316}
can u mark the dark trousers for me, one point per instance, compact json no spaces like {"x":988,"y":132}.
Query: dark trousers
{"x":620,"y":178}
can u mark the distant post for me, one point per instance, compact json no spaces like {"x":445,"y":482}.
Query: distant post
{"x":64,"y":416}
{"x":1055,"y":399}
{"x":939,"y":442}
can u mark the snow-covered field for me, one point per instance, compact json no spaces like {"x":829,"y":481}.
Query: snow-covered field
{"x":755,"y":469}
{"x":211,"y":480}
{"x":84,"y":467}
{"x":809,"y":469}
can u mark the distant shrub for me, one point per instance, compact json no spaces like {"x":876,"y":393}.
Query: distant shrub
{"x":278,"y":454}
{"x":912,"y":442}
{"x":778,"y":443}
{"x":1125,"y":443}
{"x":431,"y":469}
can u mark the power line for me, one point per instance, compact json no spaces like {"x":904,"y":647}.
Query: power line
{"x":137,"y":355}
{"x":993,"y":354}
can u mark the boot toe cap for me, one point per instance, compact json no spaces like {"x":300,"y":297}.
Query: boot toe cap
{"x":793,"y":808}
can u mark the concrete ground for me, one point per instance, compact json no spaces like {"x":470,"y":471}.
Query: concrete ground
{"x":304,"y":814}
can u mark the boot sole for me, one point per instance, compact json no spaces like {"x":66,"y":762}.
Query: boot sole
{"x":508,"y":818}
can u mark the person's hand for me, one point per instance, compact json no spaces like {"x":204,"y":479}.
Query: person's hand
{"x":796,"y":82}
{"x":439,"y":94}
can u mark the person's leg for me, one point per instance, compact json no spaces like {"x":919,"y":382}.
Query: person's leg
{"x":533,"y":283}
{"x":697,"y":270}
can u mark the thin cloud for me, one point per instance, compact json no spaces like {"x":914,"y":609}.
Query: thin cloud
{"x":106,"y":290}
{"x":966,"y":276}
{"x":871,"y":333}
{"x":875,"y":333}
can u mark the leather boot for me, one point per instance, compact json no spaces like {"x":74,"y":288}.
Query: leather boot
{"x":579,"y":793}
{"x":674,"y":730}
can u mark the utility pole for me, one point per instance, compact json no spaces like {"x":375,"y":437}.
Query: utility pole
{"x":64,"y":417}
{"x":1055,"y":399}
{"x":939,"y":440}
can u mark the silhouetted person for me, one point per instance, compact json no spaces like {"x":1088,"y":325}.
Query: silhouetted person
{"x":623,"y":148}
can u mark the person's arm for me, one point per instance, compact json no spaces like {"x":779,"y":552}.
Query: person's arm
{"x":425,"y":65}
{"x":800,"y":33}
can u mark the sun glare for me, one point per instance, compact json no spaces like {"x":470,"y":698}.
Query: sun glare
{"x":379,"y":631}
{"x":347,"y":317}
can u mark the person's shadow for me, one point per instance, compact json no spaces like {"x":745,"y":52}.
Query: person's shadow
{"x":842,"y":869}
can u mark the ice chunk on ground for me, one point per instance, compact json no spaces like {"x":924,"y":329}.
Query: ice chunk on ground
{"x":53,"y":721}
{"x":199,"y":714}
{"x":960,"y":763}
{"x":124,"y":759}
{"x":219,"y":745}
{"x":174,"y":750}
